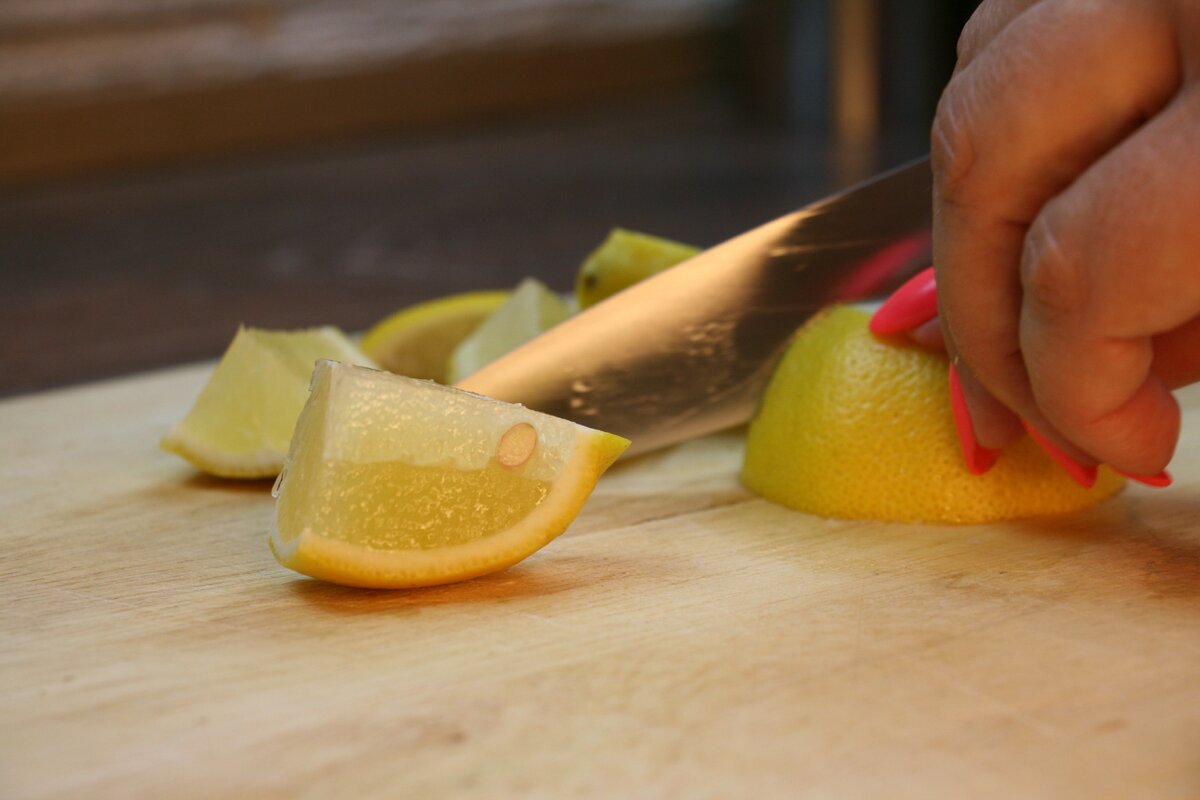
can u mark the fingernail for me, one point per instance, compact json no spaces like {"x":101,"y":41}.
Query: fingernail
{"x":978,"y":459}
{"x":1158,"y":480}
{"x":1084,"y":476}
{"x":911,"y":305}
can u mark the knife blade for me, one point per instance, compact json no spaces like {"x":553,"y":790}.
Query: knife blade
{"x":688,"y":351}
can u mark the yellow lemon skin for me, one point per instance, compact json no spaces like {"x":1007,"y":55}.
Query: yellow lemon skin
{"x":855,"y":427}
{"x":623,"y":259}
{"x":417,"y":341}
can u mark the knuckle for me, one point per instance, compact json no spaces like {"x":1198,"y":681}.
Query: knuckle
{"x":971,"y":39}
{"x":951,"y":149}
{"x":984,"y":25}
{"x":1053,"y":278}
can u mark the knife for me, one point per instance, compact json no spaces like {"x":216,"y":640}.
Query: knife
{"x":689,"y":350}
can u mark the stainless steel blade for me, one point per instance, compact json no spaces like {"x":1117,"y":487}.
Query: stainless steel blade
{"x":688,"y":351}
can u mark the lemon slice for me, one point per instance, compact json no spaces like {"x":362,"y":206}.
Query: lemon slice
{"x":531,"y":309}
{"x":241,"y":423}
{"x":623,"y":259}
{"x":417,"y":341}
{"x":856,"y":427}
{"x":393,"y":482}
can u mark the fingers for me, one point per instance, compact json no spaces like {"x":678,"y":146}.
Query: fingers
{"x":1045,"y":98}
{"x":1177,"y":355}
{"x":912,"y":311}
{"x":995,"y":426}
{"x":913,"y":304}
{"x":991,"y":17}
{"x":1007,"y":139}
{"x":1111,"y":270}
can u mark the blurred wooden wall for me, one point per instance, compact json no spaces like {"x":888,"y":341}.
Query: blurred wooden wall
{"x":93,"y":84}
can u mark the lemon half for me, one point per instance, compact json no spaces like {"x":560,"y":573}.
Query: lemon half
{"x":855,"y":427}
{"x":393,"y":482}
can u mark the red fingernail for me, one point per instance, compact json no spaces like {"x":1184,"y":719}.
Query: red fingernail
{"x":913,"y":304}
{"x":1084,"y":476}
{"x":978,"y":459}
{"x":1158,"y":480}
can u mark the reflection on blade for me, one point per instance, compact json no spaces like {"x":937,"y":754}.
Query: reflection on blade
{"x":687,"y":352}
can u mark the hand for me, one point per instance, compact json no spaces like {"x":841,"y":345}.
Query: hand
{"x":1066,"y":156}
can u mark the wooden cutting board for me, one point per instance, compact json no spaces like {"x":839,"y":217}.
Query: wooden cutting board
{"x":682,"y":639}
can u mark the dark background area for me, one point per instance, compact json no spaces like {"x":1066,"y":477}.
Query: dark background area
{"x":140,"y":223}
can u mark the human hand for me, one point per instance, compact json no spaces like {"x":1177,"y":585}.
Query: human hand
{"x":1066,"y":156}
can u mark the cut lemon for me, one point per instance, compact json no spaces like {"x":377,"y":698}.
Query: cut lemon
{"x":531,"y":309}
{"x":241,"y":423}
{"x":623,"y":259}
{"x":417,"y":341}
{"x":393,"y":482}
{"x":855,"y":427}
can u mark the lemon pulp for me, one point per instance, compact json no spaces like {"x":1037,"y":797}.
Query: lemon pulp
{"x":399,"y":506}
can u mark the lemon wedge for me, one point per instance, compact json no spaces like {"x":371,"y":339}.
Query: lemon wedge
{"x":531,"y":309}
{"x":393,"y":482}
{"x":417,"y":341}
{"x":856,"y":427}
{"x":241,"y":423}
{"x":623,"y":259}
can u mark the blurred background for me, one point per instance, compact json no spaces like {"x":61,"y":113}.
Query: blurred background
{"x":171,"y":169}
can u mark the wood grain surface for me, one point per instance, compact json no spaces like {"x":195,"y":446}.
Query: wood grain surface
{"x":682,"y":639}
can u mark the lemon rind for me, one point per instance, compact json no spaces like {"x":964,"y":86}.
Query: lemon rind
{"x":263,"y":463}
{"x":412,"y":321}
